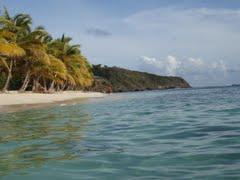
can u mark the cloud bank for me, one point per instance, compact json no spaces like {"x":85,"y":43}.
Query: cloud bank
{"x":195,"y":70}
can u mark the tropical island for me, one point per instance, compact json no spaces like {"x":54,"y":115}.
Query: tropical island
{"x":31,"y":60}
{"x":115,"y":79}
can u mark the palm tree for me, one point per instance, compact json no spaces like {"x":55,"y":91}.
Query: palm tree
{"x":36,"y":56}
{"x":8,"y":53}
{"x":57,"y":72}
{"x":78,"y":70}
{"x":11,"y":29}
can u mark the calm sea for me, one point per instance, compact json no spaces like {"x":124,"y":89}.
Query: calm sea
{"x":169,"y":134}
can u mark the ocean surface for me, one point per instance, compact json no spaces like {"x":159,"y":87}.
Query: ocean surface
{"x":168,"y":134}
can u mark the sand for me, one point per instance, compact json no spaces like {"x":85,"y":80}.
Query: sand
{"x":15,"y":98}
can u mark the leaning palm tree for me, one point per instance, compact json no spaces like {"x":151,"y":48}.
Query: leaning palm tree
{"x":78,"y":73}
{"x":11,"y":29}
{"x":79,"y":69}
{"x":36,"y":56}
{"x":35,"y":62}
{"x":9,"y":52}
{"x":57,"y":72}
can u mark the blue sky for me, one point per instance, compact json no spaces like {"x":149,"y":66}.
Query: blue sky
{"x":196,"y":39}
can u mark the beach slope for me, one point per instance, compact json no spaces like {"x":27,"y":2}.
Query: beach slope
{"x":15,"y":98}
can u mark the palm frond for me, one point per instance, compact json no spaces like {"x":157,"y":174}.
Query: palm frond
{"x":36,"y":53}
{"x":6,"y":13}
{"x":11,"y":50}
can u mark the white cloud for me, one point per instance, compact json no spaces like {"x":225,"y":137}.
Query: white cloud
{"x":168,"y":66}
{"x":172,"y":65}
{"x":193,"y":69}
{"x":210,"y":33}
{"x":161,"y":17}
{"x":152,"y":61}
{"x":197,"y":62}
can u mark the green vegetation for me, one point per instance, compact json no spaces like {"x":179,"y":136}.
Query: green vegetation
{"x":122,"y":80}
{"x":32,"y":59}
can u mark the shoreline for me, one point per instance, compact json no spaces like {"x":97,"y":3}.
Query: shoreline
{"x":13,"y":98}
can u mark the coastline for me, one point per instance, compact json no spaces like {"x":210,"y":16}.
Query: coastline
{"x":28,"y":98}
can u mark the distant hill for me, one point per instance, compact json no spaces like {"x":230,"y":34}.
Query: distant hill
{"x":117,"y":79}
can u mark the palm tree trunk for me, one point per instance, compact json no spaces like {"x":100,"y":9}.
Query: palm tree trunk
{"x":70,"y":87}
{"x":44,"y":85}
{"x":51,"y":88}
{"x":63,"y":87}
{"x":9,"y":77}
{"x":35,"y":84}
{"x":25,"y":82}
{"x":58,"y":87}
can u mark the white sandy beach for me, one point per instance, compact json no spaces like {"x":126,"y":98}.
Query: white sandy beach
{"x":15,"y":98}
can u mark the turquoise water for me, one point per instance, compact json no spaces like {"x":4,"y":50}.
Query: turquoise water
{"x":169,"y":134}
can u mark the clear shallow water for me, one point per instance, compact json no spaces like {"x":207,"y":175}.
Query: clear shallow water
{"x":172,"y":134}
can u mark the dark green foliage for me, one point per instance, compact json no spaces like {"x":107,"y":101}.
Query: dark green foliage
{"x":123,"y":80}
{"x":16,"y":82}
{"x":2,"y":80}
{"x":101,"y":85}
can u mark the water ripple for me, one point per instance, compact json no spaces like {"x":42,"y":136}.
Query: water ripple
{"x":170,"y":134}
